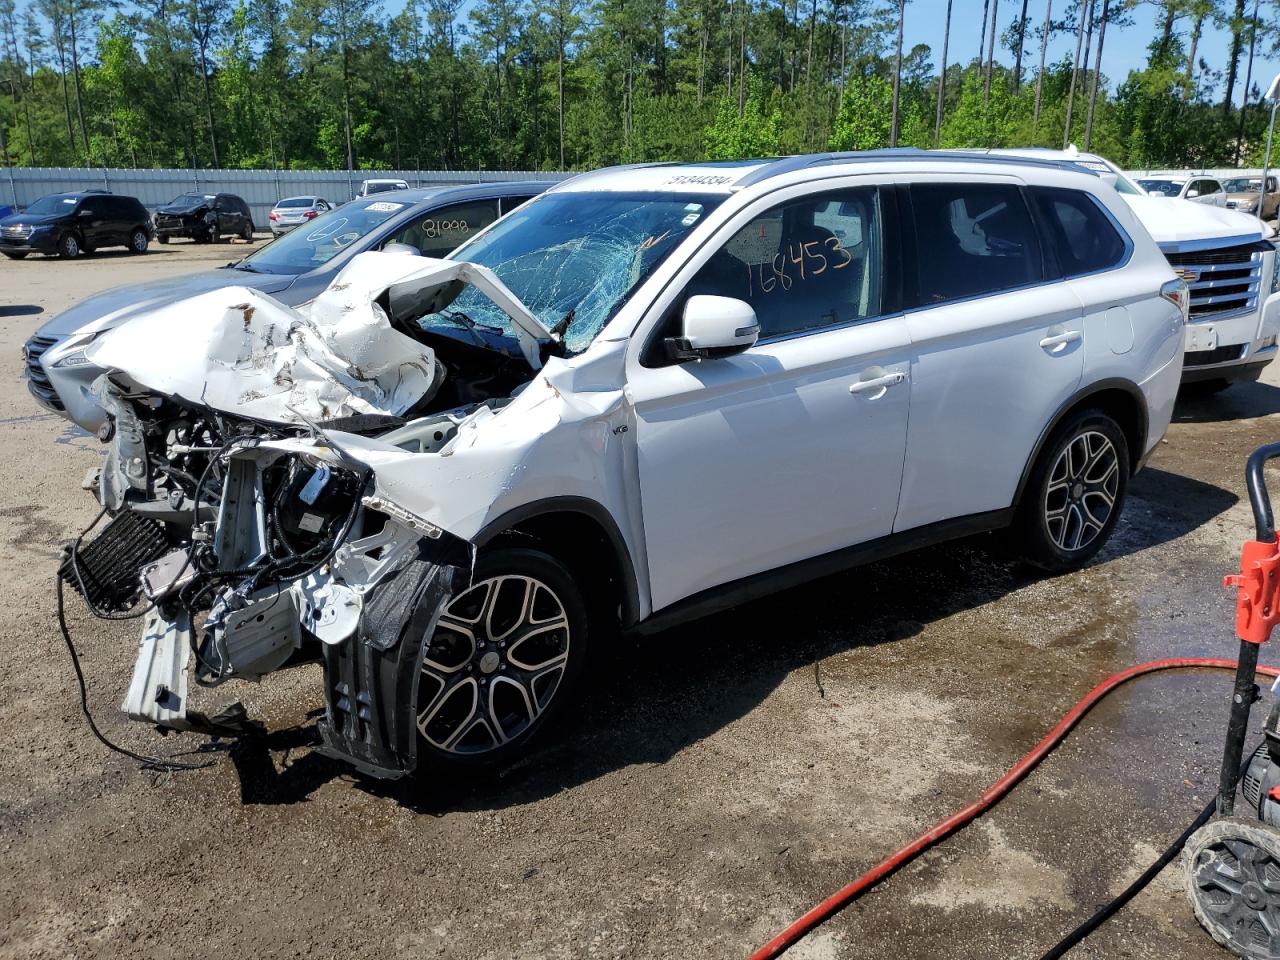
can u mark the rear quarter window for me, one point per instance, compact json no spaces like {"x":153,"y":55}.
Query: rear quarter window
{"x":1081,"y":234}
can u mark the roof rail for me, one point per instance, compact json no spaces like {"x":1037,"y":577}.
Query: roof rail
{"x":914,"y":154}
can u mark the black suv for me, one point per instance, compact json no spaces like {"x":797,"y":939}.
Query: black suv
{"x":69,"y":224}
{"x":205,"y":218}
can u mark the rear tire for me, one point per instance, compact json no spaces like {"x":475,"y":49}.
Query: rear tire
{"x":138,"y":241}
{"x":246,"y":233}
{"x":1075,"y":493}
{"x":502,"y":662}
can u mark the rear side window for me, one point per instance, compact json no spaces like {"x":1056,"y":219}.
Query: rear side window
{"x":803,"y":265}
{"x":972,"y":239}
{"x":1084,"y":237}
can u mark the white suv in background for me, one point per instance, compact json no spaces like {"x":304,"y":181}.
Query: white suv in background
{"x":646,"y":395}
{"x":1228,"y":259}
{"x":1202,"y":189}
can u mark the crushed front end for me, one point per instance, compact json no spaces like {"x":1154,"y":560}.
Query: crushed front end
{"x":246,"y":513}
{"x":256,"y":549}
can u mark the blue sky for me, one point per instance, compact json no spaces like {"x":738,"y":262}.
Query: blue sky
{"x":1125,"y":47}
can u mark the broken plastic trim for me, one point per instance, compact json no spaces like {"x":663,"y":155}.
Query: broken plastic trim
{"x":371,"y":679}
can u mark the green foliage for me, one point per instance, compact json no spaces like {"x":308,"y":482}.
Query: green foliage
{"x":465,"y":84}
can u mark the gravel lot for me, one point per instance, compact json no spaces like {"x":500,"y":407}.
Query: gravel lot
{"x":717,"y":780}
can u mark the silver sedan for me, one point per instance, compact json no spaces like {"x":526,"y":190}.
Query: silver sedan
{"x":292,"y":211}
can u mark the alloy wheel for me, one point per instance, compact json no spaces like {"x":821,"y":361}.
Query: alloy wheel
{"x":139,"y":241}
{"x":493,"y":665}
{"x":1082,"y":490}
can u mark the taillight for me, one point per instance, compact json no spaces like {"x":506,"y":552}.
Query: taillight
{"x":273,"y":215}
{"x":1179,"y":294}
{"x":311,"y":214}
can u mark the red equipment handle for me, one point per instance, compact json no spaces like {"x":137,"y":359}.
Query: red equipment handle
{"x":1258,"y":582}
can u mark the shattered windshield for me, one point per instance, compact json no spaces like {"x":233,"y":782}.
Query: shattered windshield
{"x":323,"y":238}
{"x":575,"y":255}
{"x":189,"y":199}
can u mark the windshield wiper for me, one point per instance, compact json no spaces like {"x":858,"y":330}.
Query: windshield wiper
{"x":473,"y":328}
{"x":246,"y":266}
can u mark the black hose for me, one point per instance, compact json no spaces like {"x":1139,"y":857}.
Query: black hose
{"x":1256,"y":482}
{"x":1109,"y":909}
{"x":164,"y":764}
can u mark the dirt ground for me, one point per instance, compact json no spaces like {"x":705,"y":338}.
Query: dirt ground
{"x":717,"y":780}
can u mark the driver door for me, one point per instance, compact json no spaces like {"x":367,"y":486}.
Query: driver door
{"x":786,"y":451}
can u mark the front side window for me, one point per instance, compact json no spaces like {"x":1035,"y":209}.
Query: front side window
{"x":437,"y":232}
{"x":573,"y":258}
{"x":972,"y":239}
{"x":803,"y":265}
{"x":1085,"y":238}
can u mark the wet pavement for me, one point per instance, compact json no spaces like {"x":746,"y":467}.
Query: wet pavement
{"x":716,"y":781}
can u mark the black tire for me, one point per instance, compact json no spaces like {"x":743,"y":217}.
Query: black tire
{"x":15,"y":256}
{"x":246,"y":233}
{"x":1059,"y":524}
{"x":444,"y":699}
{"x":163,"y":238}
{"x":69,"y":245}
{"x":138,"y":241}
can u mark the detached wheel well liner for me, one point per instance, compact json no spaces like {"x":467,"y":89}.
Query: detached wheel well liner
{"x":583,"y":535}
{"x":1122,"y":400}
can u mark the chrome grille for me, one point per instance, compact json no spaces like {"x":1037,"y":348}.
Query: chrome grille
{"x":1223,"y":281}
{"x":37,"y":380}
{"x":19,"y":231}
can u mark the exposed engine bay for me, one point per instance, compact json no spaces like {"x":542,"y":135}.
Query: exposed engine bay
{"x":255,"y":491}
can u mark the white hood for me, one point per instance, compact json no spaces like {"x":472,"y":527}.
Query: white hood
{"x":243,"y":352}
{"x":1171,"y":221}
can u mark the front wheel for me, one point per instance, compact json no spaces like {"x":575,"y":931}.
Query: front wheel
{"x":1075,"y":493}
{"x":163,"y":238}
{"x":69,"y":246}
{"x":138,"y":241}
{"x":503,"y":659}
{"x":15,"y":256}
{"x":246,"y":233}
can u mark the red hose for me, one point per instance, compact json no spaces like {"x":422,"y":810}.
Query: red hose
{"x":847,"y":894}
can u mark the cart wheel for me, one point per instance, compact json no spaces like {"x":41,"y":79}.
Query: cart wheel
{"x":1231,"y":870}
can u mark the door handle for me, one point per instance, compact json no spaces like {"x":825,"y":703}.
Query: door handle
{"x":1054,"y":343}
{"x":878,"y":384}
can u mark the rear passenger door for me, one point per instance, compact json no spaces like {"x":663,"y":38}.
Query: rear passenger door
{"x":998,"y":346}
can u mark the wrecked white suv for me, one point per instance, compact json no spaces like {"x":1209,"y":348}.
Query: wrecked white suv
{"x":646,"y":395}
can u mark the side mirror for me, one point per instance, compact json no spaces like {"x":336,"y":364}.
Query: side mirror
{"x":1154,"y":193}
{"x":1192,"y":194}
{"x":714,"y":327}
{"x":84,"y":213}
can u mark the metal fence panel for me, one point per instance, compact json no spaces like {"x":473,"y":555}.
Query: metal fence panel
{"x":20,"y":186}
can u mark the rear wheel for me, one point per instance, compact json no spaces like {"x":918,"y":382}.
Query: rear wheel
{"x":138,"y":241}
{"x":246,"y":233}
{"x":1075,"y":493}
{"x":1231,"y":873}
{"x":69,"y":245}
{"x":502,"y":661}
